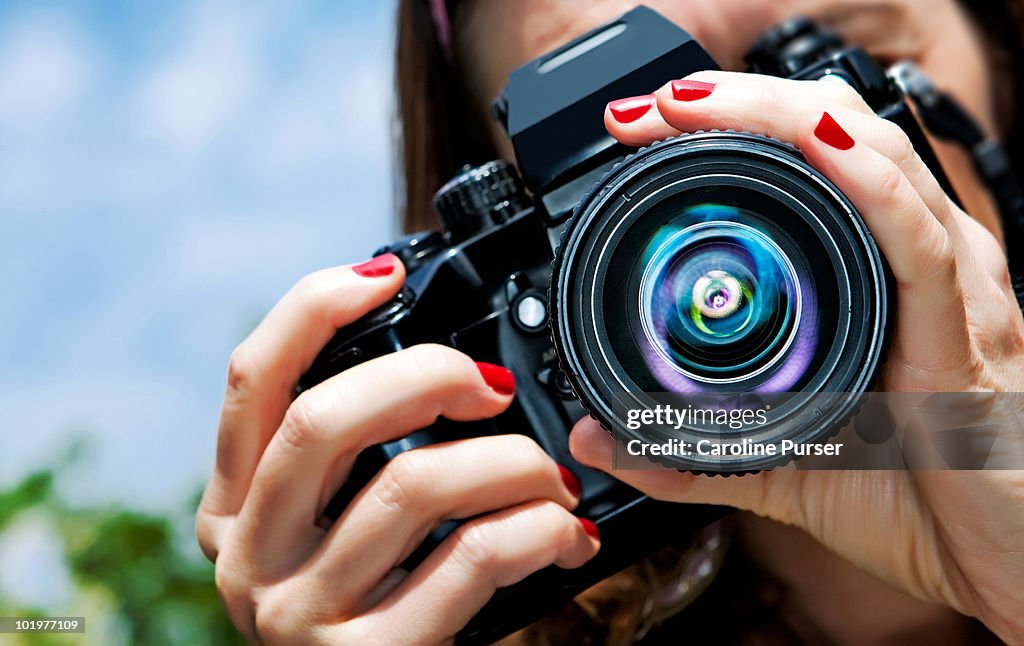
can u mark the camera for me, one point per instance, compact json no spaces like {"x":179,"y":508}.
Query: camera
{"x":710,"y":264}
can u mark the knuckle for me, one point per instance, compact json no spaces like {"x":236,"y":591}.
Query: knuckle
{"x":902,"y":149}
{"x":551,"y":512}
{"x":233,"y":586}
{"x":476,"y":550}
{"x":768,"y":96}
{"x":206,"y":535}
{"x":314,"y":293}
{"x":944,"y":263}
{"x":432,"y":359}
{"x":844,"y":94}
{"x":568,"y":527}
{"x":328,"y":295}
{"x":403,"y":482}
{"x":891,"y":183}
{"x":224,"y":579}
{"x":563,"y":527}
{"x":236,"y":588}
{"x":313,"y":284}
{"x":366,"y":631}
{"x":241,"y":369}
{"x":526,"y":447}
{"x":276,"y":617}
{"x":1001,"y":274}
{"x":938,"y":256}
{"x":529,"y":452}
{"x":269,"y":619}
{"x":302,"y":425}
{"x":331,"y":296}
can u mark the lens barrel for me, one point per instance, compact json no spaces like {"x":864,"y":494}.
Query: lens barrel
{"x":712,"y":268}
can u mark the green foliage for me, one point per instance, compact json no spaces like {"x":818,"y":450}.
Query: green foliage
{"x":34,"y":490}
{"x":137,"y":575}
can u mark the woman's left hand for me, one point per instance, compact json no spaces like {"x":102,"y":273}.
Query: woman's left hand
{"x":943,"y":536}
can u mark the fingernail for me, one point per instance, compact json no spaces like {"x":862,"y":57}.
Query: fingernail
{"x":498,"y":378}
{"x":590,"y":528}
{"x":382,"y":265}
{"x":832,"y":133}
{"x":570,"y":481}
{"x":684,"y":90}
{"x":631,"y":109}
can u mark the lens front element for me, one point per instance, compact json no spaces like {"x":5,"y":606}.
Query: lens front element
{"x":720,"y":301}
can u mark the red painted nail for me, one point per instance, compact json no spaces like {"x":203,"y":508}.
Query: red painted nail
{"x":832,"y":133}
{"x":590,"y":528}
{"x":382,"y":265}
{"x":498,"y":378}
{"x":570,"y":481}
{"x":691,"y":90}
{"x":631,"y":109}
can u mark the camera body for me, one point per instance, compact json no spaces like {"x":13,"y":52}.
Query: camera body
{"x":482,"y":286}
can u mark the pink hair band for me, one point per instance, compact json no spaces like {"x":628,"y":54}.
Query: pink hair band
{"x":443,"y":25}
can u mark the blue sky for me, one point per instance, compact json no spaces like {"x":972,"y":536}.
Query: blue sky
{"x":167,"y":171}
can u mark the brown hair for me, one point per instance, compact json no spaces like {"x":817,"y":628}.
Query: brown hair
{"x":440,"y":130}
{"x":1003,"y":25}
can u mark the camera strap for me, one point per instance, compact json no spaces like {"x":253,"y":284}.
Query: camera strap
{"x":945,"y":118}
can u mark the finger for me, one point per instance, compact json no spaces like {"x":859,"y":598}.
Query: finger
{"x":890,"y":141}
{"x":725,"y":100}
{"x":807,"y":499}
{"x":635,"y":121}
{"x":326,"y":427}
{"x":264,"y":369}
{"x":760,"y":493}
{"x":421,"y":488}
{"x":775,"y":107}
{"x":457,"y":579}
{"x":751,"y":102}
{"x":932,"y":326}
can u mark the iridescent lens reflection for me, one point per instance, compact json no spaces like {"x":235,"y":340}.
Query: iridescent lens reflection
{"x":722,"y":304}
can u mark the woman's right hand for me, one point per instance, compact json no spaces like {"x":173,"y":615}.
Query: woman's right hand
{"x":283,"y":578}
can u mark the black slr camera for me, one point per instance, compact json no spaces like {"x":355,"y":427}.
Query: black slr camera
{"x":714,"y":262}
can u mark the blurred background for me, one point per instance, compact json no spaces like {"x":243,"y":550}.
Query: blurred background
{"x":167,"y":171}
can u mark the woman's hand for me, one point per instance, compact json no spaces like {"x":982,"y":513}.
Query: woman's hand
{"x":951,"y":537}
{"x":281,"y":576}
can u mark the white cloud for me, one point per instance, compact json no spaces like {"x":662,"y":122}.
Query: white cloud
{"x":231,"y":151}
{"x":199,"y":88}
{"x":328,"y":112}
{"x":46,"y":66}
{"x":149,"y":443}
{"x":32,"y":566}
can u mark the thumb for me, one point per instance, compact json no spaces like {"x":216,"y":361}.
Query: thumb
{"x":773,"y":494}
{"x":867,"y":517}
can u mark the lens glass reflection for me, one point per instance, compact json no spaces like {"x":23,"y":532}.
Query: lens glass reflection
{"x":721,"y":301}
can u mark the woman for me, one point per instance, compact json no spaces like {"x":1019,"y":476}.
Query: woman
{"x":854,"y":556}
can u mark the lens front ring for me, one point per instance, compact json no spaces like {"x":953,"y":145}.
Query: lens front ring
{"x":591,"y":323}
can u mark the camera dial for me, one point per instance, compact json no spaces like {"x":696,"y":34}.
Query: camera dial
{"x":480,"y":197}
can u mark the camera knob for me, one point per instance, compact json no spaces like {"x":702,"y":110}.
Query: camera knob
{"x":479,"y":197}
{"x":791,"y":46}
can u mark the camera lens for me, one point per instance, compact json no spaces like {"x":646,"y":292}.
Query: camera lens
{"x":720,"y":265}
{"x":719,"y":300}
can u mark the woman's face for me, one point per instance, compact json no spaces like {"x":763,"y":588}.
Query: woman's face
{"x":497,"y":36}
{"x":936,"y":34}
